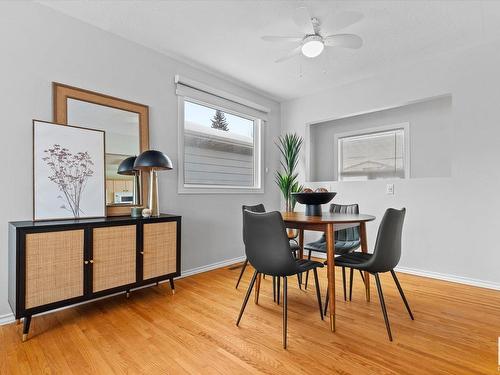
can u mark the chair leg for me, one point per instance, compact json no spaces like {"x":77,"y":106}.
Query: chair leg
{"x":285,"y":317}
{"x":278,"y":280}
{"x":307,"y":273}
{"x":241,"y":273}
{"x":382,"y":304}
{"x":326,"y":301}
{"x":362,"y":276}
{"x":299,"y":281}
{"x":343,"y":283}
{"x":247,"y":296}
{"x":318,"y":292}
{"x":351,"y":274}
{"x":401,"y":293}
{"x":274,"y":288}
{"x":257,"y":288}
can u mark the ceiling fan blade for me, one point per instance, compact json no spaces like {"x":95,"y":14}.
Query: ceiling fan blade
{"x":290,"y":54}
{"x":271,"y":38}
{"x":343,"y":40}
{"x":302,"y":19}
{"x":341,"y":20}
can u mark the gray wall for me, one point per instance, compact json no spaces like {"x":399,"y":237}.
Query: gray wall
{"x":430,"y":137}
{"x":39,"y":46}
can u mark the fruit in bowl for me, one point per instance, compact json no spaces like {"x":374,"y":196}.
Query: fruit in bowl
{"x":307,"y":190}
{"x":321,"y":190}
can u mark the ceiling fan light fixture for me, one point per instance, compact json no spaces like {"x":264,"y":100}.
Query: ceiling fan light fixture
{"x":312,"y":47}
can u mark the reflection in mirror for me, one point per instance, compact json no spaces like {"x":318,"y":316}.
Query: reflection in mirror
{"x":122,"y":141}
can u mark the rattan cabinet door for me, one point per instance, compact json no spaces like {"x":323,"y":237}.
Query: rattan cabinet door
{"x":114,"y":257}
{"x":54,"y":267}
{"x":159,"y":249}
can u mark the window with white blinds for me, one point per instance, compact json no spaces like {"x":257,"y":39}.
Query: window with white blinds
{"x":220,"y":143}
{"x":373,"y":155}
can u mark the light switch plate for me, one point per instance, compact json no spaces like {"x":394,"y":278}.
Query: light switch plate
{"x":389,"y":189}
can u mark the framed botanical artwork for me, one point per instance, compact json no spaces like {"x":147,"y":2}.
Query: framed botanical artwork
{"x":68,"y":172}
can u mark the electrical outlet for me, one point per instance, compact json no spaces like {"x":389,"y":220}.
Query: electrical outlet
{"x":389,"y":189}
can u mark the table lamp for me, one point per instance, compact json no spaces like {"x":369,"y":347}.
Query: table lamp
{"x":126,"y":168}
{"x":153,"y":161}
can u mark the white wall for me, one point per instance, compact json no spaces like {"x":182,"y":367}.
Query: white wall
{"x":39,"y":46}
{"x":452,"y":223}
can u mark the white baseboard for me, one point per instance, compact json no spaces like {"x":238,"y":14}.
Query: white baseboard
{"x":213,"y":266}
{"x":6,"y":319}
{"x":9,"y":318}
{"x":452,"y":278}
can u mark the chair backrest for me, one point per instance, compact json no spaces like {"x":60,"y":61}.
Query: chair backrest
{"x":387,"y":251}
{"x":266,"y":243}
{"x":256,"y":208}
{"x":349,"y":234}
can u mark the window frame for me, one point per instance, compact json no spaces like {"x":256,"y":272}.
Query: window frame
{"x":258,"y":156}
{"x":405,"y":126}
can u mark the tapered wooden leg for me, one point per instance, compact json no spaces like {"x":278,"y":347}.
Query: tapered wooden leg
{"x":330,"y":256}
{"x":364,"y":249}
{"x":402,"y":293}
{"x":172,"y":286}
{"x":247,"y":296}
{"x":26,"y":327}
{"x":382,"y":305}
{"x":157,"y":283}
{"x":318,"y":292}
{"x":257,"y":288}
{"x":18,"y":321}
{"x":301,"y":249}
{"x":285,"y":317}
{"x":242,"y":272}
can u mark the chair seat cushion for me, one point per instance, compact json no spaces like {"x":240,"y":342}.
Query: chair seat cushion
{"x":353,"y":260}
{"x":306,"y":265}
{"x":341,"y":247}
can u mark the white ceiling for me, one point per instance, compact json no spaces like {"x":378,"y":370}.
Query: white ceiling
{"x":224,"y":36}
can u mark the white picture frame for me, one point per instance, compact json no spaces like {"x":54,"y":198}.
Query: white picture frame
{"x":68,"y":172}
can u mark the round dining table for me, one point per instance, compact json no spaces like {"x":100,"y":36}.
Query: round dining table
{"x":329,"y":223}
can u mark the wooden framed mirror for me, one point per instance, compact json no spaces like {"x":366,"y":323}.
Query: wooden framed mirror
{"x":127,"y":134}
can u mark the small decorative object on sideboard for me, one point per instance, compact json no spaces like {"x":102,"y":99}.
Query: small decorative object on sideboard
{"x":153,"y":161}
{"x":136,"y":211}
{"x":146,"y":212}
{"x":314,"y":200}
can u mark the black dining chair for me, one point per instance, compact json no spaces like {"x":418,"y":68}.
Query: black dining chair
{"x":294,"y":246}
{"x":346,"y":241}
{"x":268,"y":250}
{"x":385,"y":257}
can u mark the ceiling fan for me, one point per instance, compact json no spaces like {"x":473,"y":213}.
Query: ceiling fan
{"x":313,"y":43}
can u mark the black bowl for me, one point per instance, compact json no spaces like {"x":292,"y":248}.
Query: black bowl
{"x":313,"y":201}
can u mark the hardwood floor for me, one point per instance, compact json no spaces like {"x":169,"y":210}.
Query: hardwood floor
{"x":455,"y":331}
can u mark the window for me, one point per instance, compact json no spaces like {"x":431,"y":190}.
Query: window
{"x":219,"y":145}
{"x":375,"y":154}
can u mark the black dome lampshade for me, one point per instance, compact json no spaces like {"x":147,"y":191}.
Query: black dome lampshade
{"x":126,"y":168}
{"x":153,"y":161}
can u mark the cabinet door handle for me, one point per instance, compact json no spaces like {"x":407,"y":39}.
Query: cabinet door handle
{"x":86,"y":262}
{"x":142,"y":252}
{"x":91,"y":261}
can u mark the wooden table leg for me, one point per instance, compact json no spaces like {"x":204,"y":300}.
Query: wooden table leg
{"x":301,"y":243}
{"x":330,"y":256}
{"x":364,"y":249}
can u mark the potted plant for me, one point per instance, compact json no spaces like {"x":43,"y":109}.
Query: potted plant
{"x":289,"y":146}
